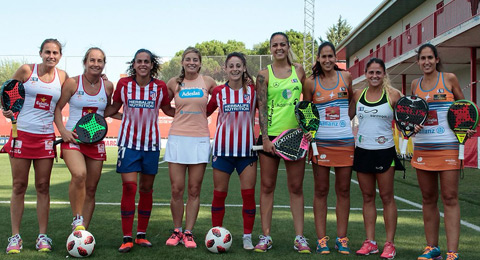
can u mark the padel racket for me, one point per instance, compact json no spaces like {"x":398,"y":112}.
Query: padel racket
{"x":308,"y":119}
{"x":91,"y":128}
{"x":462,"y":116}
{"x":290,"y":145}
{"x":409,"y":112}
{"x":12,"y":97}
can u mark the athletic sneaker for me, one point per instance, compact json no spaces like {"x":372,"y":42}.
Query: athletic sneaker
{"x":367,"y":248}
{"x":301,"y":245}
{"x":431,"y":253}
{"x":175,"y":238}
{"x":142,"y":241}
{"x":247,"y":243}
{"x":264,"y":244}
{"x":188,"y":239}
{"x":389,"y":251}
{"x":452,"y":256}
{"x":77,"y":223}
{"x":322,"y":247}
{"x":15,"y":244}
{"x":341,"y":244}
{"x":44,"y":244}
{"x":126,"y":245}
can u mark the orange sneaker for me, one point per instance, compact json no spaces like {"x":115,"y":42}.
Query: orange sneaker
{"x":142,"y":241}
{"x":126,"y":245}
{"x":175,"y":238}
{"x":188,"y":240}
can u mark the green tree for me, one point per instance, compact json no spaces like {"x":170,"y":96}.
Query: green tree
{"x":337,"y":32}
{"x":7,"y":69}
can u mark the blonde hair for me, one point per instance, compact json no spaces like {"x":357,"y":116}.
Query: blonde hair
{"x":181,"y":77}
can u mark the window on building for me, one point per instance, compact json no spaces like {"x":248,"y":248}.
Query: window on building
{"x":440,"y":7}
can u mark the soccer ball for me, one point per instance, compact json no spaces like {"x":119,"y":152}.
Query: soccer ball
{"x":218,"y":240}
{"x":80,"y":243}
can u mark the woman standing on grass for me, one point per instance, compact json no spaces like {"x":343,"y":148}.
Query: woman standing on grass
{"x":331,"y":90}
{"x":435,"y":154}
{"x":375,"y":158}
{"x":188,"y":145}
{"x":278,"y":89}
{"x":141,"y":96}
{"x":34,"y":143}
{"x":87,"y":93}
{"x":232,"y":145}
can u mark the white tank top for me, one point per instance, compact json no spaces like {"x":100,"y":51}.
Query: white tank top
{"x":41,"y":98}
{"x":375,"y":123}
{"x":82,"y":103}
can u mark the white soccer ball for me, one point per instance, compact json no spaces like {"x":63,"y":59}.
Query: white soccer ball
{"x":218,"y":240}
{"x":80,"y":243}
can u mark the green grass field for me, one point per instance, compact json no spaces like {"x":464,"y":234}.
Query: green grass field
{"x":106,"y":223}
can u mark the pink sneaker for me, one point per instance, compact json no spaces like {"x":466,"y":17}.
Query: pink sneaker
{"x":389,"y":251}
{"x":44,"y":244}
{"x":15,"y":244}
{"x":188,"y":240}
{"x":175,"y":238}
{"x":300,"y":244}
{"x":367,"y":248}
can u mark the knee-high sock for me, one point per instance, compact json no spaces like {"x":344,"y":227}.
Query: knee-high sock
{"x":218,"y":208}
{"x":127,"y":207}
{"x":144,"y":210}
{"x":248,"y":210}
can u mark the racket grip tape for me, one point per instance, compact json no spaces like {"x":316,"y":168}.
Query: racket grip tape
{"x":14,"y":129}
{"x":461,"y":152}
{"x":59,"y":141}
{"x":257,"y":147}
{"x":314,"y":149}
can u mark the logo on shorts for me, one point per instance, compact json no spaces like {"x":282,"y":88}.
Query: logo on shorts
{"x":18,"y":144}
{"x":419,"y":159}
{"x":72,"y":145}
{"x":379,"y":168}
{"x":48,"y":145}
{"x":101,"y":148}
{"x":323,"y":156}
{"x":214,"y":159}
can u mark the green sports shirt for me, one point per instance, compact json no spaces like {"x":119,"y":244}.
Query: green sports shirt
{"x":282,"y":96}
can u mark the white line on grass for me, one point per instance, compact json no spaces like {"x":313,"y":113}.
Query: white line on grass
{"x":202,"y":205}
{"x":416,"y":205}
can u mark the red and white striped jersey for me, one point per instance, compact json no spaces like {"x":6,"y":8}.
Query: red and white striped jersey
{"x":139,"y":129}
{"x":234,"y":135}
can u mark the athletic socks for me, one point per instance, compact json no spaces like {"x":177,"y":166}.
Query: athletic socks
{"x":248,"y":210}
{"x":218,"y":208}
{"x":144,"y":210}
{"x":127,"y":207}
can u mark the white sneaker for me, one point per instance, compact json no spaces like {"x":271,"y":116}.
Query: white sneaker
{"x":247,"y":243}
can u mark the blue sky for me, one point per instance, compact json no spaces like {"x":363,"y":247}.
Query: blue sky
{"x":121,"y":27}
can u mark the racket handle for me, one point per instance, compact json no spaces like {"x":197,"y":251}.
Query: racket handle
{"x":14,"y":129}
{"x":461,"y":152}
{"x":403,"y":149}
{"x":257,"y":147}
{"x":59,"y":141}
{"x":314,"y":149}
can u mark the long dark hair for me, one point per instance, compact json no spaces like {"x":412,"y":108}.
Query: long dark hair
{"x":317,"y":68}
{"x":54,"y":41}
{"x":289,"y":59}
{"x":153,"y":58}
{"x":386,"y":80}
{"x":438,"y":66}
{"x":245,"y":76}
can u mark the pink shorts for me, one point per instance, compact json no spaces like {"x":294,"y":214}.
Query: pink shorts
{"x":31,"y":146}
{"x":94,"y":151}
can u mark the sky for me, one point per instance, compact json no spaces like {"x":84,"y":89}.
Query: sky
{"x":121,"y":27}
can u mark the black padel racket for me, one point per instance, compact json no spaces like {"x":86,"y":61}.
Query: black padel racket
{"x":462,"y":116}
{"x":91,"y":128}
{"x":290,"y":145}
{"x":12,"y":97}
{"x":409,"y":112}
{"x":308,"y":119}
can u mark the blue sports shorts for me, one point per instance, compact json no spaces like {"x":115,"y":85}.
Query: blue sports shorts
{"x":130,"y":160}
{"x":228,"y":164}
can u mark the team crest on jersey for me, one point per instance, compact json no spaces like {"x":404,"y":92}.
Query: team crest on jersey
{"x":294,"y":80}
{"x":102,"y":100}
{"x":153,"y":94}
{"x":343,"y":89}
{"x":89,"y":110}
{"x":43,"y":102}
{"x":246,"y":97}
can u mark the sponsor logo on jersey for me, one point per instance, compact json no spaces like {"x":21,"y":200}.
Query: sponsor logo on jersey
{"x":287,"y":93}
{"x":80,"y":93}
{"x":296,"y":88}
{"x":88,"y":110}
{"x":138,"y":103}
{"x":191,"y":93}
{"x":43,"y":102}
{"x":440,"y":90}
{"x":236,"y":107}
{"x":294,"y":80}
{"x":342,"y":94}
{"x":440,"y":96}
{"x":34,"y":79}
{"x":432,"y":118}
{"x":190,"y":112}
{"x":332,"y":113}
{"x":343,"y":89}
{"x":440,"y":130}
{"x":381,"y":139}
{"x":276,"y":84}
